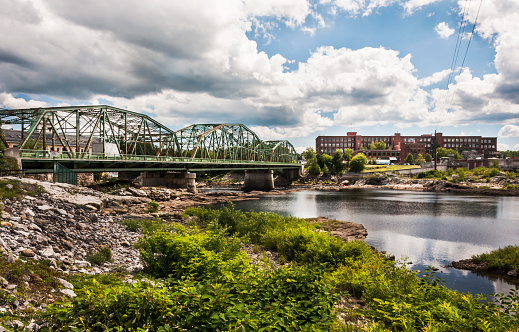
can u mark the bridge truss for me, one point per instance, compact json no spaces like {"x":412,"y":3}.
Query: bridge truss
{"x":105,"y":132}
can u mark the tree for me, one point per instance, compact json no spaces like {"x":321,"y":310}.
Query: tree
{"x":372,"y":146}
{"x":337,"y":163}
{"x":380,"y":145}
{"x":419,"y":158}
{"x":326,"y":171}
{"x":409,"y":159}
{"x":428,"y":158}
{"x":324,"y":159}
{"x":311,"y":161}
{"x":358,"y":163}
{"x":443,"y":152}
{"x":309,"y":153}
{"x":347,"y":154}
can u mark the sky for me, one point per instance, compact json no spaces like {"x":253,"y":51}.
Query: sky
{"x":287,"y":69}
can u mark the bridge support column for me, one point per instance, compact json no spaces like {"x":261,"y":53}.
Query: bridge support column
{"x":172,"y":180}
{"x":14,"y":154}
{"x":258,"y":180}
{"x":293,"y":174}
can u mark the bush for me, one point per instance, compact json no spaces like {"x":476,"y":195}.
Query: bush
{"x":146,"y":226}
{"x":358,"y":163}
{"x":152,"y":207}
{"x":506,"y":258}
{"x":432,"y":174}
{"x":286,"y":299}
{"x":182,"y":253}
{"x":101,"y":256}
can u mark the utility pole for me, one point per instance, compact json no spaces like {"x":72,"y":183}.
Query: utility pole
{"x":435,"y":146}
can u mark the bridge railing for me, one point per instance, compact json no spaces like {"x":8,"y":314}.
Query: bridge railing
{"x":43,"y":154}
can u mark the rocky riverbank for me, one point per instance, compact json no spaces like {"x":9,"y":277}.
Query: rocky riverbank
{"x":497,"y":185}
{"x":63,"y":225}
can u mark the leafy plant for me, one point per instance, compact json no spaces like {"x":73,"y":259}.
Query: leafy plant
{"x":506,"y":258}
{"x":101,"y":256}
{"x":152,"y":207}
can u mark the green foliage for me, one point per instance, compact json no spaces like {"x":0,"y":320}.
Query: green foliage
{"x":152,"y":207}
{"x":443,"y":152}
{"x":358,"y":163}
{"x":286,"y":299}
{"x":493,"y":171}
{"x":409,"y":159}
{"x":326,"y":171}
{"x":41,"y":275}
{"x":337,"y":163}
{"x":432,"y":174}
{"x":428,"y":157}
{"x":347,"y":154}
{"x":100,"y":256}
{"x":190,"y":253}
{"x":403,"y":302}
{"x":506,"y":258}
{"x":146,"y":226}
{"x":15,"y":189}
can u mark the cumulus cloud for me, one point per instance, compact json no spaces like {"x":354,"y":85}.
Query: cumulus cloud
{"x":435,"y":78}
{"x":367,"y":7}
{"x":509,"y":131}
{"x":503,"y":147}
{"x":516,"y":147}
{"x":412,"y":5}
{"x":7,"y":100}
{"x":443,"y":30}
{"x":363,"y":7}
{"x":186,"y":62}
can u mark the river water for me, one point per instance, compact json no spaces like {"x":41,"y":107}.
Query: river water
{"x":427,"y":229}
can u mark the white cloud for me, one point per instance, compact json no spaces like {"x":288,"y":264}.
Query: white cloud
{"x":435,"y":78}
{"x":412,"y":5}
{"x":443,"y":30}
{"x":157,"y":57}
{"x":367,"y":7}
{"x":7,"y":100}
{"x":364,"y":7}
{"x":509,"y":131}
{"x":516,"y":147}
{"x":502,"y":147}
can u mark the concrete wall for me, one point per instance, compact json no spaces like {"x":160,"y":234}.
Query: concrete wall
{"x":258,"y":180}
{"x":171,"y":180}
{"x":14,"y":153}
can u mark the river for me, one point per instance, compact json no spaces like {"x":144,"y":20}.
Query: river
{"x":425,"y":228}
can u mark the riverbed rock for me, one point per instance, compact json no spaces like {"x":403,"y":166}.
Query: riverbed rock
{"x":513,"y":273}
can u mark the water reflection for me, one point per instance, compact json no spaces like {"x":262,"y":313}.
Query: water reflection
{"x":430,"y":229}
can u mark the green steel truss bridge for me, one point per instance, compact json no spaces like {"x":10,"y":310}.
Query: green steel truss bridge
{"x":105,"y":138}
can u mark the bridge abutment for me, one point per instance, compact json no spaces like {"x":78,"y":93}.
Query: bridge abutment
{"x":258,"y":180}
{"x":172,"y":180}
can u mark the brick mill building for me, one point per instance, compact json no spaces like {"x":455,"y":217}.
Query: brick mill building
{"x":398,"y":146}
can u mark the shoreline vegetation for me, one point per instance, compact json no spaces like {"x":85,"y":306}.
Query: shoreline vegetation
{"x":220,"y":269}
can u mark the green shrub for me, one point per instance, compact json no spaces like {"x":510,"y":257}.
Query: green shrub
{"x":492,"y":172}
{"x":182,"y":253}
{"x":146,"y":226}
{"x":506,"y":258}
{"x":153,"y":207}
{"x":432,"y":174}
{"x":286,"y":299}
{"x":101,"y":256}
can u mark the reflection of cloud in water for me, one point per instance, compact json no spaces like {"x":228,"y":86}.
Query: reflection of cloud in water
{"x":437,"y":253}
{"x":421,"y":250}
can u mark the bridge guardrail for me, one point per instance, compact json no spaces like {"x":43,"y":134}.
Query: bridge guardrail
{"x":42,"y":154}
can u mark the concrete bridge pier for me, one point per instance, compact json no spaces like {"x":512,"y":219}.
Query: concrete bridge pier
{"x":171,"y":180}
{"x":292,"y":174}
{"x":258,"y":180}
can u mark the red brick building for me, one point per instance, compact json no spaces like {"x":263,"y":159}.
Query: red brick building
{"x":398,"y":146}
